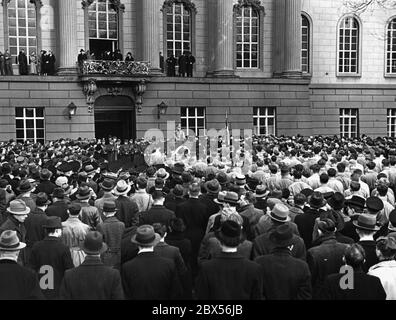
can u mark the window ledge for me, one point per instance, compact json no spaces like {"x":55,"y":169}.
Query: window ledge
{"x":349,"y":75}
{"x":390,"y":75}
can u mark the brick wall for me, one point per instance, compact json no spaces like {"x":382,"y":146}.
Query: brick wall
{"x":371,"y":100}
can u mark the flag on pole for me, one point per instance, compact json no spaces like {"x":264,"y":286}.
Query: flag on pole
{"x":227,"y":128}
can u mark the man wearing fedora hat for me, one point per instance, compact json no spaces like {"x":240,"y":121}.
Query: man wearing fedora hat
{"x":261,"y":194}
{"x":195,"y":216}
{"x":306,"y":221}
{"x":284,"y":276}
{"x":278,"y":216}
{"x":35,"y":221}
{"x":89,"y":214}
{"x":248,"y":211}
{"x":25,"y":189}
{"x":17,"y":214}
{"x":45,"y":184}
{"x":74,"y":232}
{"x":59,"y":205}
{"x":92,"y":280}
{"x":107,"y":187}
{"x":229,"y":276}
{"x":326,"y":257}
{"x":149,"y":276}
{"x":366,"y":228}
{"x":127,"y":210}
{"x":16,"y":282}
{"x":51,"y":252}
{"x":212,"y":189}
{"x":174,"y":198}
{"x":365,"y":287}
{"x":112,"y":230}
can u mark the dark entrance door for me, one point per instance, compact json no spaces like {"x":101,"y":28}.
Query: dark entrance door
{"x":99,"y":47}
{"x":115,"y":117}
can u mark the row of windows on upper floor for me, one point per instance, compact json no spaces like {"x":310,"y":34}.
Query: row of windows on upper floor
{"x":103,"y":33}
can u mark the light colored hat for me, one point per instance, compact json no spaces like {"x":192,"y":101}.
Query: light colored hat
{"x":280,"y":213}
{"x":9,"y":241}
{"x":18,"y":207}
{"x":122,"y":188}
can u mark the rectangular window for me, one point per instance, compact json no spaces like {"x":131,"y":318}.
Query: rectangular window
{"x":391,"y":48}
{"x":305,"y":45}
{"x":349,"y":123}
{"x":264,"y":121}
{"x":348,"y":50}
{"x":21,"y":27}
{"x":178,"y":34}
{"x":391,"y":123}
{"x":102,"y":21}
{"x":193,"y":118}
{"x":30,"y":124}
{"x":247,"y":38}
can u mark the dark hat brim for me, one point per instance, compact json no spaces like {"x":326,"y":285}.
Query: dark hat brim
{"x":153,"y":243}
{"x":100,"y":251}
{"x":281,"y":243}
{"x":228,"y":241}
{"x":355,"y":223}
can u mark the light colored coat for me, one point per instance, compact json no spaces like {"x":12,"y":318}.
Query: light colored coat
{"x":386,"y":272}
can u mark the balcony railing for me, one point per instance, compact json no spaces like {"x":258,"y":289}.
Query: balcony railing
{"x":118,"y":68}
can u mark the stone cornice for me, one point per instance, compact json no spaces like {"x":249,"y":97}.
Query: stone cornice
{"x":115,"y":4}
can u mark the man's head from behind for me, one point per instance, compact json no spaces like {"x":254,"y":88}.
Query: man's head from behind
{"x":355,"y":256}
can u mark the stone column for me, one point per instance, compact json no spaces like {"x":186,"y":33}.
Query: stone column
{"x":67,"y":36}
{"x":224,"y":49}
{"x":150,"y":39}
{"x":279,"y":38}
{"x":292,"y":59}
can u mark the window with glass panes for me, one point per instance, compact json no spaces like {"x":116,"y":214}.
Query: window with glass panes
{"x":102,"y":21}
{"x":30,"y":124}
{"x":349,"y":123}
{"x":22,"y":27}
{"x":178,"y":30}
{"x":391,"y":123}
{"x":247,"y":38}
{"x":305,"y":45}
{"x":264,"y":120}
{"x":391,"y":48}
{"x":193,"y":118}
{"x":348,"y":51}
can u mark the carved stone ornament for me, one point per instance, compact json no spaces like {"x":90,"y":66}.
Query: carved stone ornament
{"x":37,"y":3}
{"x":188,"y":4}
{"x":114,"y":4}
{"x":114,"y":91}
{"x":255,"y":4}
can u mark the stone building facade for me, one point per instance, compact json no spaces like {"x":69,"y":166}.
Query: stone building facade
{"x":275,"y":66}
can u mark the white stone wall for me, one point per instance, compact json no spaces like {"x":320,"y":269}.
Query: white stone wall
{"x":325,"y":16}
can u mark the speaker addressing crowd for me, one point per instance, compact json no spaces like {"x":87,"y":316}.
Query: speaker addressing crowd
{"x":293,"y":218}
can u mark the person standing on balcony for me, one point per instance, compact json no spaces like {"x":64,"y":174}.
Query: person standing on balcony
{"x":82,"y":56}
{"x":161,"y":62}
{"x":129,"y":57}
{"x":51,"y":63}
{"x":182,"y":65}
{"x":171,"y":66}
{"x":190,"y":61}
{"x":8,"y":63}
{"x":40,"y":63}
{"x":33,"y":63}
{"x":2,"y":64}
{"x":23,"y":63}
{"x":118,"y":55}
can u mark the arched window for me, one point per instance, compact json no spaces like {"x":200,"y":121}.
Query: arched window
{"x":103,"y":27}
{"x":247,"y":38}
{"x":391,"y":48}
{"x":305,"y":44}
{"x":22,"y":26}
{"x":178,"y":29}
{"x":348,"y":46}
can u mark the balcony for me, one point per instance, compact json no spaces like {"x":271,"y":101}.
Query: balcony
{"x":115,"y":68}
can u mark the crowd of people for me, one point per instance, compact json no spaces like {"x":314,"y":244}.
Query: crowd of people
{"x":280,"y":224}
{"x":32,"y":64}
